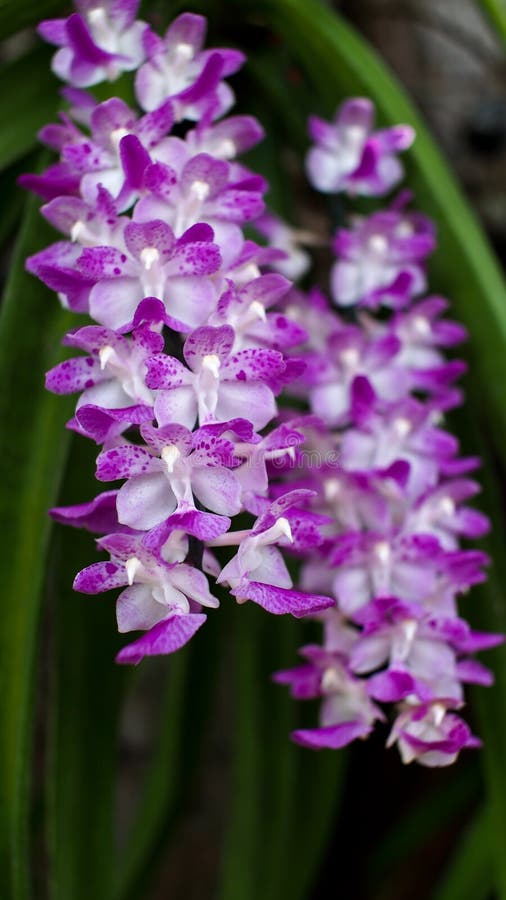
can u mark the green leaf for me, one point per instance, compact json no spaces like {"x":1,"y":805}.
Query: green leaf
{"x":188,"y":703}
{"x":30,"y":104}
{"x":33,"y":447}
{"x":85,"y":702}
{"x":470,"y":875}
{"x":495,"y":12}
{"x":277,"y":787}
{"x":486,"y":610}
{"x":243,"y":841}
{"x":438,"y":810}
{"x":162,"y":783}
{"x":16,"y":14}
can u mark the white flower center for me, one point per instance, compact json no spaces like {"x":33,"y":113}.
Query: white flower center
{"x":402,"y":427}
{"x":438,"y":714}
{"x":382,"y":552}
{"x":354,"y":134}
{"x":421,"y":326}
{"x":105,"y":354}
{"x":257,"y":310}
{"x":77,"y":230}
{"x":331,"y":489}
{"x":184,"y":52}
{"x":409,"y":628}
{"x":248,"y":273}
{"x":117,"y":135}
{"x":446,"y":506}
{"x":97,"y":16}
{"x":212,"y":363}
{"x":227,"y":149}
{"x":170,"y":455}
{"x":350,"y":357}
{"x":284,"y":528}
{"x":378,"y":244}
{"x":404,"y":229}
{"x":201,"y":190}
{"x":332,"y":682}
{"x":149,"y":256}
{"x":281,"y":528}
{"x":132,"y":566}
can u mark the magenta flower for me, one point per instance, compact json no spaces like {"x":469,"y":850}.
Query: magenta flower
{"x":177,"y":68}
{"x":349,"y":156}
{"x":380,"y":261}
{"x":219,"y":384}
{"x":97,"y":43}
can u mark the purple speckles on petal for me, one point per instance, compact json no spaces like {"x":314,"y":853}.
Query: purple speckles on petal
{"x":166,"y":637}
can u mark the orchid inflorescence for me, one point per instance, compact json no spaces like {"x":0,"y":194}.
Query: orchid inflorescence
{"x":198,"y":330}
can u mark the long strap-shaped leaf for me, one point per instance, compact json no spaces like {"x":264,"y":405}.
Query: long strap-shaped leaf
{"x":495,"y":11}
{"x":32,"y":452}
{"x":87,"y":689}
{"x":486,"y":610}
{"x":30,"y":104}
{"x":18,"y":14}
{"x":470,"y":875}
{"x":282,"y":797}
{"x":176,"y":760}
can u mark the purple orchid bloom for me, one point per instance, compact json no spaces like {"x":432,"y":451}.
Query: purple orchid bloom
{"x":157,"y":591}
{"x":97,"y":43}
{"x":203,"y":191}
{"x":431,"y":735}
{"x":177,"y":68}
{"x":349,"y":156}
{"x":226,"y":139}
{"x":154,"y":264}
{"x":219,"y":384}
{"x":244,"y":307}
{"x":296,"y":261}
{"x":113,"y":376}
{"x":258,"y":572}
{"x":380,"y":261}
{"x":175,"y":466}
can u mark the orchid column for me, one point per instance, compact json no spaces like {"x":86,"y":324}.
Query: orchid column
{"x":181,"y":368}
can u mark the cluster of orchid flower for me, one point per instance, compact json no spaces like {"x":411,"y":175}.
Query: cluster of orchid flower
{"x":197,"y":334}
